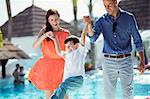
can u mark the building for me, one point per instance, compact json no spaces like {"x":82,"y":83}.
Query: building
{"x":29,"y":22}
{"x":141,"y":10}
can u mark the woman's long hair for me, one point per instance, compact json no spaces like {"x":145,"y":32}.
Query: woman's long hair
{"x":48,"y":25}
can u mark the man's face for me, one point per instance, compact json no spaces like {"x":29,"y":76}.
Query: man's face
{"x":70,"y":46}
{"x":110,"y":6}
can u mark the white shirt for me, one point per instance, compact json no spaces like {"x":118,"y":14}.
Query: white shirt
{"x":74,"y":62}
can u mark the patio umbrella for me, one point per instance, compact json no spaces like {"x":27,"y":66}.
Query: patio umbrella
{"x":9,"y":51}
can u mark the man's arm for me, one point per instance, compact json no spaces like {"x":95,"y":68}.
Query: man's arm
{"x":138,"y":43}
{"x":142,"y":62}
{"x":93,"y":32}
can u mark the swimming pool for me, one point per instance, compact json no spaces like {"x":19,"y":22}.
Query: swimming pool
{"x":92,"y":88}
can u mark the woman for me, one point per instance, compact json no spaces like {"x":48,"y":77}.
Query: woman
{"x":47,"y":72}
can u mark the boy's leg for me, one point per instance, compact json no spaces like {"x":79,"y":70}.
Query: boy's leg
{"x":69,"y":84}
{"x":66,"y":97}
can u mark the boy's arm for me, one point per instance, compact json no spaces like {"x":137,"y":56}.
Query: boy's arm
{"x":57,"y":46}
{"x":83,"y":35}
{"x":87,"y":19}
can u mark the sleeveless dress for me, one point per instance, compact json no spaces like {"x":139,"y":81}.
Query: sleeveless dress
{"x":47,"y":72}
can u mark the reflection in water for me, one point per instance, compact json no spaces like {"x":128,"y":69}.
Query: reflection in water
{"x":92,"y":88}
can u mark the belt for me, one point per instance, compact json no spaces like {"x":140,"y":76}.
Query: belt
{"x":118,"y":56}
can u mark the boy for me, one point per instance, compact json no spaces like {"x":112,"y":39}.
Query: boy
{"x":22,"y":74}
{"x":74,"y":70}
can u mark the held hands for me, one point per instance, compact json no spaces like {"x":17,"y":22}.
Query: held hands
{"x":88,"y":24}
{"x":141,"y":67}
{"x":86,"y":20}
{"x":43,"y":28}
{"x":50,"y":34}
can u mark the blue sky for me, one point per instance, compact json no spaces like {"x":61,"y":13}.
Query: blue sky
{"x":64,"y":7}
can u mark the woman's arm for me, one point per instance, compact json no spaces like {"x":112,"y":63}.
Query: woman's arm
{"x":40,"y":38}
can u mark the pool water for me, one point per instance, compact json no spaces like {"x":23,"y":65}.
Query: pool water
{"x":92,"y":88}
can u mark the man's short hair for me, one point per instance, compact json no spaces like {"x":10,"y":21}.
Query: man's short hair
{"x":17,"y":65}
{"x":72,"y":38}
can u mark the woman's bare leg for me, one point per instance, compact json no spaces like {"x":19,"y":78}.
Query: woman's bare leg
{"x":48,"y":93}
{"x":66,"y":97}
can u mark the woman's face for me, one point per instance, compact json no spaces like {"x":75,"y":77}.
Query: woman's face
{"x":54,"y":20}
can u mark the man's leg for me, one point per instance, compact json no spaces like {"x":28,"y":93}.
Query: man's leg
{"x":126,"y":77}
{"x":110,"y":76}
{"x":69,"y":84}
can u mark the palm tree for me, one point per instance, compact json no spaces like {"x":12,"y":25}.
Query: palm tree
{"x":9,"y":20}
{"x":1,"y":39}
{"x":92,"y":52}
{"x":3,"y":62}
{"x":90,"y":7}
{"x":75,"y":17}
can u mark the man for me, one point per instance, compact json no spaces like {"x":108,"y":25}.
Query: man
{"x":117,"y":27}
{"x":16,"y":74}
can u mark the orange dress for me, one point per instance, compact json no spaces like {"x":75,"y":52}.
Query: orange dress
{"x":47,"y":72}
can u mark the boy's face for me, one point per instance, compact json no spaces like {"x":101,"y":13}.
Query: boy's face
{"x":70,"y":46}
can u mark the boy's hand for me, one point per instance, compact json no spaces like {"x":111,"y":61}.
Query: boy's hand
{"x":44,"y":28}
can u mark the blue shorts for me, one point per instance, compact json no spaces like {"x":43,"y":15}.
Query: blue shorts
{"x":69,"y":84}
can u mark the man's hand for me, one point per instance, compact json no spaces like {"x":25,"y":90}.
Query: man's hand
{"x":141,"y":67}
{"x":86,"y":19}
